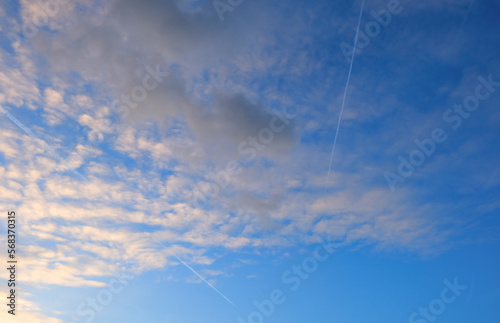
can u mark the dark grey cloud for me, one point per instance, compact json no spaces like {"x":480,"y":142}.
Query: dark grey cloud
{"x":115,"y":48}
{"x":233,"y":119}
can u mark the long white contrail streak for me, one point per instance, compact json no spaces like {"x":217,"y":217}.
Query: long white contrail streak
{"x":345,"y":94}
{"x":45,"y":146}
{"x":194,"y":271}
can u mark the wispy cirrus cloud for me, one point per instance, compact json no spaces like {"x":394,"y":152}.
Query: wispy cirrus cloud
{"x":224,"y":82}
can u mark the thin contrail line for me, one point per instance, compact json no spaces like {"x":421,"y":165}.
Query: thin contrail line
{"x":45,"y":146}
{"x":345,"y":93}
{"x":196,"y":273}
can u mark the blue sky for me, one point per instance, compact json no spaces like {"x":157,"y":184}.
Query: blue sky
{"x":171,"y":161}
